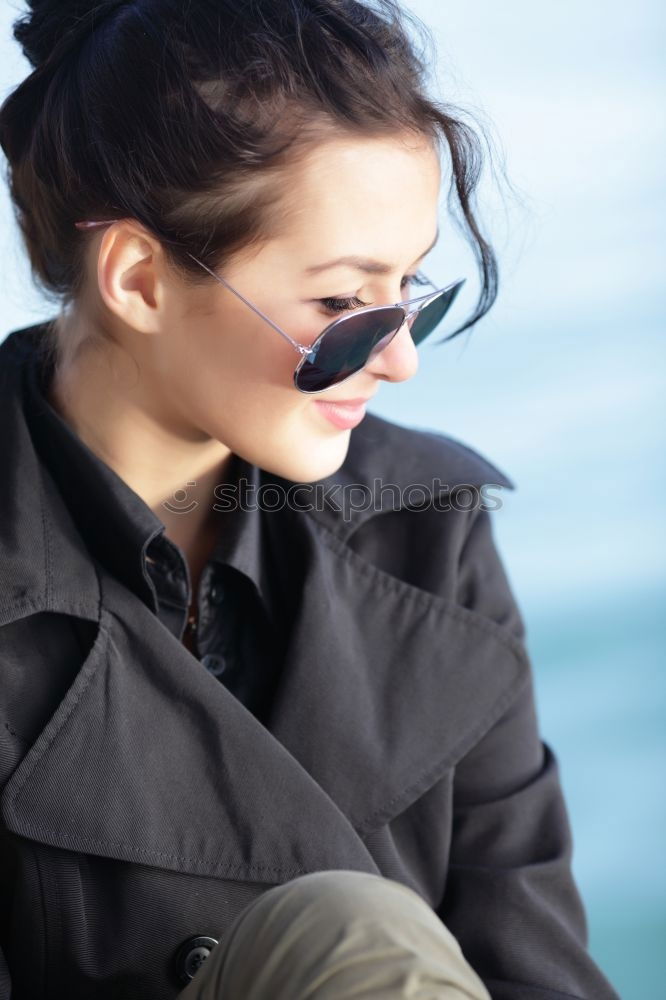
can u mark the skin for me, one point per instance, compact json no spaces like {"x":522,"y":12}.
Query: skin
{"x":187,"y":377}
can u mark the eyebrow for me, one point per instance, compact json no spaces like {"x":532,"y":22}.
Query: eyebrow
{"x":366,"y":264}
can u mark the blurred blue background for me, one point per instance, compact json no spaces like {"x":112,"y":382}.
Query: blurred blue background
{"x":562,"y":386}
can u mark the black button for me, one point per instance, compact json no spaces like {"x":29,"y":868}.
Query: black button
{"x":216,"y":594}
{"x":214,"y":664}
{"x":191,"y":956}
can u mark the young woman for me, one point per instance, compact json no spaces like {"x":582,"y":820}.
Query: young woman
{"x":268,"y":719}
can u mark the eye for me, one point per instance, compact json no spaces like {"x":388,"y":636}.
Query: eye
{"x":334,"y":305}
{"x":341,"y":305}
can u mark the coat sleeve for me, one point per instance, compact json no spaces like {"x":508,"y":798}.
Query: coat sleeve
{"x":510,"y":899}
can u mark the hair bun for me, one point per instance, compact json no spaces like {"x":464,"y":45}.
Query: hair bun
{"x":54,"y":25}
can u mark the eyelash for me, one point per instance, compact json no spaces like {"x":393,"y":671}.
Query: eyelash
{"x":342,"y":305}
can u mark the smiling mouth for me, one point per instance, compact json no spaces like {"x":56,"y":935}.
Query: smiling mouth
{"x":343,"y":415}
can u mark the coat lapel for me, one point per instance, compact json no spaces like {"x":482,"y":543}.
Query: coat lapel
{"x":149,"y":758}
{"x":387,"y":686}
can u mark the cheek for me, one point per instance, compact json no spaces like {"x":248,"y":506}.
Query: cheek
{"x":231,"y":360}
{"x":236,"y":384}
{"x":234,"y":378}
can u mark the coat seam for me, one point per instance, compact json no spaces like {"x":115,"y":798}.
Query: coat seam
{"x":76,"y":609}
{"x":48,"y":568}
{"x":31,"y":829}
{"x":45,"y":951}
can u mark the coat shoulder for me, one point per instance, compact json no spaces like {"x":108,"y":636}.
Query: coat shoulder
{"x":390,"y":467}
{"x":381,"y":448}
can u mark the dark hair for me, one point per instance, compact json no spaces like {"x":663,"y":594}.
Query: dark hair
{"x":184,"y":117}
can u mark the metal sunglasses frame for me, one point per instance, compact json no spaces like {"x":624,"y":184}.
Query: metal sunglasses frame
{"x":304,"y":350}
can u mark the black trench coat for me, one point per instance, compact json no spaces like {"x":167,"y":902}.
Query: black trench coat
{"x":143,"y":805}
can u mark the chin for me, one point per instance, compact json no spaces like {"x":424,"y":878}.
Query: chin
{"x":309,"y":461}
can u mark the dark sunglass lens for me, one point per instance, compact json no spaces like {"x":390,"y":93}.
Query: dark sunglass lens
{"x":431,"y":315}
{"x":347,"y":347}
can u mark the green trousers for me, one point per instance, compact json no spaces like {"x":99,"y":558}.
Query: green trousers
{"x":335,"y":934}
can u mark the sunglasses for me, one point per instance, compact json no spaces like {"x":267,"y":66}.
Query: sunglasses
{"x":350,"y":342}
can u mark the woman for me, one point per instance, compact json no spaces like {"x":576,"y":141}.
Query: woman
{"x":267,"y":732}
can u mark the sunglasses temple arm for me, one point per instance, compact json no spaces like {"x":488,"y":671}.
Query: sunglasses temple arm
{"x":299,"y":347}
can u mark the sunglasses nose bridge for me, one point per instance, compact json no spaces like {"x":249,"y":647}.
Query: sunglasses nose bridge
{"x":411,"y":314}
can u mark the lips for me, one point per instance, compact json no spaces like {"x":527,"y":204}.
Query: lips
{"x":344,"y":414}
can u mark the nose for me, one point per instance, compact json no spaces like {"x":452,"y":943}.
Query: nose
{"x":398,"y":361}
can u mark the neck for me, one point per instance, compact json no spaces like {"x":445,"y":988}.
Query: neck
{"x":173,"y":467}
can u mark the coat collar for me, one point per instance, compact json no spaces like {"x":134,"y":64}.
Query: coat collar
{"x":384,"y":461}
{"x":150,"y":759}
{"x":44,"y":566}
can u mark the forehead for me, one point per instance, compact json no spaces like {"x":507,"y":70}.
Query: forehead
{"x":363,"y":194}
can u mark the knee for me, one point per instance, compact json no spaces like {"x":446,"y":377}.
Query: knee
{"x":337,"y":928}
